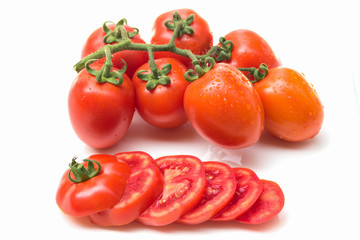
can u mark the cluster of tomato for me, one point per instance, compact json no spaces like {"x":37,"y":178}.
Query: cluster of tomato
{"x":223,"y":105}
{"x":131,"y":186}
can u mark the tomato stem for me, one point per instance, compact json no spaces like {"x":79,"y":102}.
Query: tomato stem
{"x":258,"y":73}
{"x":82,"y":174}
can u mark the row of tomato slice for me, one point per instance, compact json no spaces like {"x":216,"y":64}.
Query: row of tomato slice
{"x":181,"y":188}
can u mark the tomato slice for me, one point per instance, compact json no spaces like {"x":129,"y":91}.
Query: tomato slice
{"x":248,"y":190}
{"x":220,"y":189}
{"x":144,"y":186}
{"x":184,"y":184}
{"x":96,"y":194}
{"x":267,"y":206}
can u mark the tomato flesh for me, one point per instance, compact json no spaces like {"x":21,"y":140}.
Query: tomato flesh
{"x":248,"y":190}
{"x":143,"y":187}
{"x":268,"y":205}
{"x":184,"y":183}
{"x":220,"y":188}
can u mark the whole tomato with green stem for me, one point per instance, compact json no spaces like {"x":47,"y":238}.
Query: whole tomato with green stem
{"x":162,"y":105}
{"x":224,"y":108}
{"x":195,"y":36}
{"x":100,"y":112}
{"x":293,"y":109}
{"x":250,"y":50}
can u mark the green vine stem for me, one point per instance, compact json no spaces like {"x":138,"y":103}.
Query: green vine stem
{"x":258,"y":73}
{"x":82,"y":174}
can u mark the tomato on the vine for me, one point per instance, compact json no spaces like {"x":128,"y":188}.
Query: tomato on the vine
{"x":133,"y":58}
{"x":219,"y":190}
{"x":224,"y":107}
{"x":144,"y":185}
{"x":99,"y":192}
{"x":184,"y":183}
{"x":162,"y":106}
{"x":199,"y":42}
{"x":250,"y":50}
{"x":293,"y":110}
{"x":100,"y":113}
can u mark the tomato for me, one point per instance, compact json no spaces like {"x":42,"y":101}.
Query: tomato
{"x":184,"y":183}
{"x":96,"y":194}
{"x":199,"y":42}
{"x":163,"y":106}
{"x":248,"y":190}
{"x":267,"y":206}
{"x":100,"y":113}
{"x":220,"y":188}
{"x":293,"y":110}
{"x":250,"y":50}
{"x":224,"y":108}
{"x":144,"y":186}
{"x":133,"y":58}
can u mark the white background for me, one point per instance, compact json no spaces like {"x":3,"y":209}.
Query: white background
{"x":42,"y":40}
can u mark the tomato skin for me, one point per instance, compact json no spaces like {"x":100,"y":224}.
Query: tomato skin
{"x":220,"y":189}
{"x":267,"y":206}
{"x":163,"y":106}
{"x":100,"y":114}
{"x":144,"y":186}
{"x":250,"y":50}
{"x":184,"y":184}
{"x":133,"y":59}
{"x":293,"y":110}
{"x":248,"y":190}
{"x":199,"y":42}
{"x":224,"y":108}
{"x":96,"y":194}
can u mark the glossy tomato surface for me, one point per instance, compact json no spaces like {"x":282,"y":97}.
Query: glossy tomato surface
{"x":250,"y":50}
{"x":96,"y":194}
{"x":220,"y":189}
{"x":224,"y":108}
{"x":248,"y":190}
{"x":199,"y":42}
{"x":293,"y":110}
{"x":163,"y":106}
{"x":133,"y":58}
{"x":100,"y":113}
{"x":184,"y":184}
{"x":267,"y":206}
{"x":144,"y":185}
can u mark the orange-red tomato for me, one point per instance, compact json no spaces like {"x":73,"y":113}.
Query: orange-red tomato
{"x":224,"y":108}
{"x":293,"y":110}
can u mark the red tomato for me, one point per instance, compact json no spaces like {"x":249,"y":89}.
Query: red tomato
{"x":199,"y":42}
{"x":224,"y":108}
{"x":96,"y":194}
{"x":250,"y":50}
{"x":133,"y":59}
{"x":144,"y":186}
{"x":248,"y":190}
{"x":163,"y":106}
{"x":184,"y":183}
{"x":293,"y":110}
{"x":100,"y":113}
{"x":220,"y":188}
{"x":267,"y":206}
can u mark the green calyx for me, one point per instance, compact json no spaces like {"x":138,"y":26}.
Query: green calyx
{"x":185,"y":24}
{"x":119,"y":33}
{"x":201,"y":67}
{"x":155,"y":77}
{"x":82,"y":174}
{"x":258,"y":73}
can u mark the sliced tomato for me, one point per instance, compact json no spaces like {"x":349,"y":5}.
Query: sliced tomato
{"x":145,"y":184}
{"x":184,"y":184}
{"x":248,"y":190}
{"x":220,"y":189}
{"x":267,"y":206}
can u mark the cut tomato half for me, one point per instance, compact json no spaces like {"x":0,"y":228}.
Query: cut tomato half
{"x":267,"y":206}
{"x":144,"y":186}
{"x":184,"y":183}
{"x":220,"y":189}
{"x":248,"y":190}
